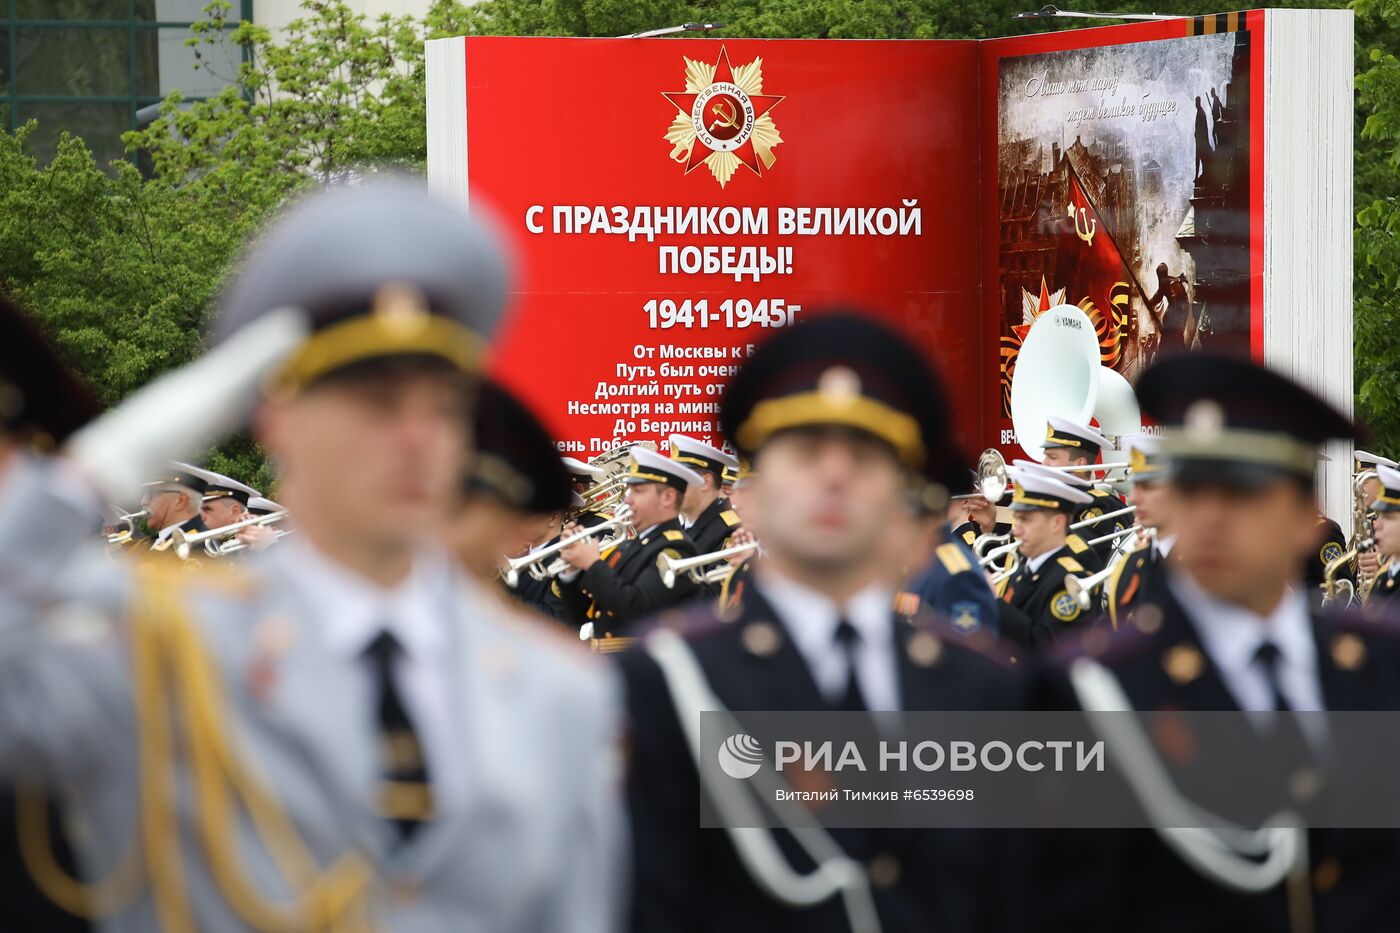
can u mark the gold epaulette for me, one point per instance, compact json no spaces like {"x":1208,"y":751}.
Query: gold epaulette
{"x":1077,"y":544}
{"x":1070,"y":564}
{"x":730,"y":517}
{"x":674,"y":534}
{"x":953,"y":558}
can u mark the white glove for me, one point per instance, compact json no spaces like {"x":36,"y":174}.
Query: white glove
{"x":184,"y":410}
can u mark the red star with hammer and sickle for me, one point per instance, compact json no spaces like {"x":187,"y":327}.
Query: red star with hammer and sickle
{"x":761,"y":104}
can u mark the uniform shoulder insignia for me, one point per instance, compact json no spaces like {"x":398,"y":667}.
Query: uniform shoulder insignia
{"x":554,"y":588}
{"x":1098,"y":493}
{"x":1070,"y":564}
{"x":675,"y":534}
{"x":1064,"y":606}
{"x":1330,"y":552}
{"x":1091,"y":512}
{"x":730,"y":517}
{"x":953,"y":558}
{"x":968,"y":537}
{"x":1077,"y":544}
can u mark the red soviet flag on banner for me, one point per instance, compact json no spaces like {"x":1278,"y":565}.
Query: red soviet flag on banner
{"x":1090,"y":268}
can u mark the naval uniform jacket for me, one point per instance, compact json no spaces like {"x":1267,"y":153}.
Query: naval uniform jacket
{"x":1331,"y":545}
{"x":1385,"y":587}
{"x":1138,"y":579}
{"x":690,"y":879}
{"x":1103,"y":503}
{"x":626,"y":584}
{"x":711,"y":529}
{"x":1045,"y":607}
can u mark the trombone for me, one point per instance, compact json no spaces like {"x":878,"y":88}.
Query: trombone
{"x":987,"y":540}
{"x":673,"y":566}
{"x":184,"y":542}
{"x":1114,"y":535}
{"x":991,"y":556}
{"x":533,"y":562}
{"x":1102,"y":518}
{"x":1082,"y":588}
{"x":1001,"y":576}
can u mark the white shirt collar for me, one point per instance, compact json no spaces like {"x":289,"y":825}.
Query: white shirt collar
{"x":1232,"y":634}
{"x":810,"y":619}
{"x":1394,"y":567}
{"x":1033,"y":564}
{"x":1163,"y":544}
{"x":351,"y":611}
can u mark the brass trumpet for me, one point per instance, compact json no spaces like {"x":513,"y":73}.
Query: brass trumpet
{"x":560,"y":565}
{"x":225,"y":548}
{"x":185,"y":542}
{"x":128,"y":519}
{"x":534,"y":560}
{"x":673,"y":566}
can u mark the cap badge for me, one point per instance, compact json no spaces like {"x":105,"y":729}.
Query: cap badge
{"x":400,"y":308}
{"x":1205,"y":419}
{"x":839,"y":385}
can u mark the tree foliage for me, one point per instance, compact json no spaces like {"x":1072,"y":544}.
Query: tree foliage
{"x":123,"y":267}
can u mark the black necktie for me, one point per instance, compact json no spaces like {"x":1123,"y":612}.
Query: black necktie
{"x":405,"y":796}
{"x":1267,"y":656}
{"x":847,"y":639}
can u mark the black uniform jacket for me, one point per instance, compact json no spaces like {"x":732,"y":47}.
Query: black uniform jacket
{"x":1097,"y":881}
{"x":690,"y":879}
{"x":626,"y":584}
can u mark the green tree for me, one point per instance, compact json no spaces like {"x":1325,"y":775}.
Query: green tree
{"x":1377,"y":246}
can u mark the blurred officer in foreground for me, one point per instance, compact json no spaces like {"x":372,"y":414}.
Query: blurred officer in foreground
{"x":951,"y":582}
{"x":41,"y":404}
{"x":1232,"y":629}
{"x":345,"y":732}
{"x":839,"y":415}
{"x":515,"y":494}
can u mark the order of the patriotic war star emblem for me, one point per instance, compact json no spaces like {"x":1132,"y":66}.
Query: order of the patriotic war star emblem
{"x":724,"y":120}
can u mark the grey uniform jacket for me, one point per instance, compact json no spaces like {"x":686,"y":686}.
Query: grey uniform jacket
{"x":532,"y":844}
